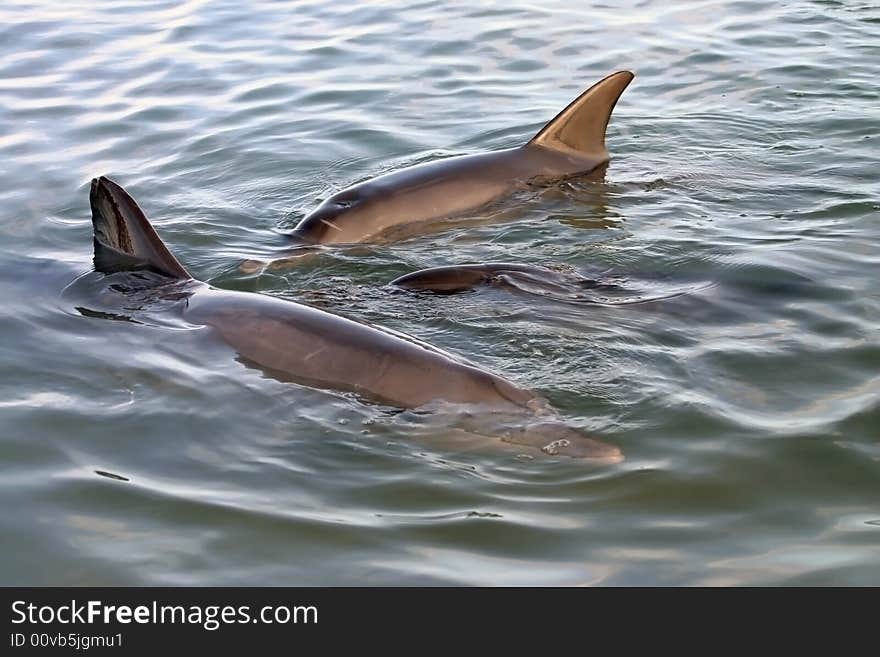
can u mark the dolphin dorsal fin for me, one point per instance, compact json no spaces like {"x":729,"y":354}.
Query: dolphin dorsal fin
{"x":124,"y":237}
{"x":580,"y":127}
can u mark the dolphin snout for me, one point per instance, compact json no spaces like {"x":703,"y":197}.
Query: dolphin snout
{"x":585,"y":448}
{"x":557,"y":439}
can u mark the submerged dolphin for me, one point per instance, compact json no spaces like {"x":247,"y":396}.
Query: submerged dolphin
{"x":451,"y":279}
{"x":572,"y":143}
{"x":317,"y":348}
{"x":560,"y":284}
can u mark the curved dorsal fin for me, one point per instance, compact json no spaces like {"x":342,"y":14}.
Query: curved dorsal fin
{"x":581,"y":126}
{"x":124,"y":237}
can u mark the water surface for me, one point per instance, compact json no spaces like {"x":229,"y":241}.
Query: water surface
{"x":741,"y":205}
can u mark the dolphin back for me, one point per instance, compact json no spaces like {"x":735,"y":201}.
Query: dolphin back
{"x":124,"y":237}
{"x":580,"y":127}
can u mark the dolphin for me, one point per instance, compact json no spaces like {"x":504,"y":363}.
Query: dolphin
{"x":451,"y":279}
{"x":557,"y":283}
{"x":295,"y":342}
{"x":572,"y":143}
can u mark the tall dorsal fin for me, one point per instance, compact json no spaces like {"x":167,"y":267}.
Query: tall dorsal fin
{"x":581,"y":126}
{"x":124,"y":237}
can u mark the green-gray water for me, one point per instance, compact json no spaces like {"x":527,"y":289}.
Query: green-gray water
{"x":743,"y":197}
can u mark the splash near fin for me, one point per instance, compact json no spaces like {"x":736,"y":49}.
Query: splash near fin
{"x":580,"y":127}
{"x":124,"y":238}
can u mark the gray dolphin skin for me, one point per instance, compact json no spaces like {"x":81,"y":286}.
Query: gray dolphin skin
{"x":299,"y":343}
{"x":572,"y":143}
{"x":461,"y":278}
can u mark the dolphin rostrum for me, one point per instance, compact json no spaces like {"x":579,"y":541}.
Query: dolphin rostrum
{"x":299,"y":343}
{"x":572,"y":143}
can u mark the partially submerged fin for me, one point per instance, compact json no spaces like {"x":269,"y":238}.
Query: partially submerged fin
{"x":444,"y":280}
{"x":124,"y":238}
{"x":529,"y":278}
{"x":580,"y":127}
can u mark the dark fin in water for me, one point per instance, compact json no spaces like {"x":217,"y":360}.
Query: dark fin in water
{"x":124,"y":238}
{"x":580,"y":127}
{"x":444,"y":280}
{"x":529,"y":278}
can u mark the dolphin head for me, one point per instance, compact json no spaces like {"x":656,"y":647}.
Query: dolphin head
{"x":321,"y":226}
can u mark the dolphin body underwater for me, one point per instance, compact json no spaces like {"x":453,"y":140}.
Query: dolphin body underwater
{"x":572,"y":143}
{"x":316,"y":348}
{"x":452,"y":279}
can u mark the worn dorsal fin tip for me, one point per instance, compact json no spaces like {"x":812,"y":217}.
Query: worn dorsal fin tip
{"x":580,"y":127}
{"x":124,"y":237}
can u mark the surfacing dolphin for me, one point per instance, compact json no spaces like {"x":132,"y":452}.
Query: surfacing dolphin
{"x":572,"y":143}
{"x":560,"y":283}
{"x":295,"y":342}
{"x":452,"y":279}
